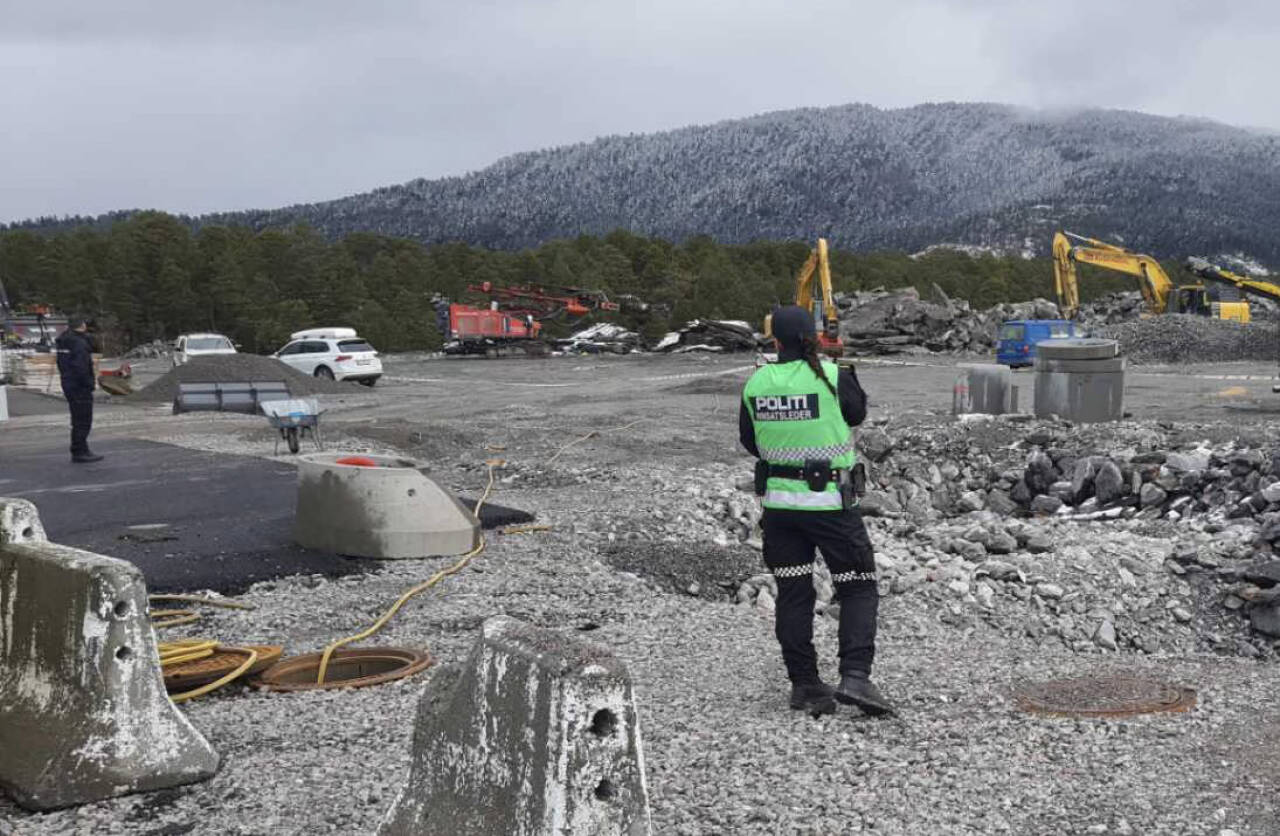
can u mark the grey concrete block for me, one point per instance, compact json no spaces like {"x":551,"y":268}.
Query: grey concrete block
{"x":391,"y":510}
{"x":986,"y":389}
{"x":536,"y":735}
{"x":85,"y":714}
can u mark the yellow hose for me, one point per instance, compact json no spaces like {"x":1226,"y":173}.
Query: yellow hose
{"x":590,"y":435}
{"x":177,"y":620}
{"x":201,"y":599}
{"x":218,"y":683}
{"x":412,"y":591}
{"x":523,"y":529}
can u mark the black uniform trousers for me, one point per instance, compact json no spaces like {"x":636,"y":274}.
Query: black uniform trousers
{"x":789,"y":541}
{"x":81,"y":405}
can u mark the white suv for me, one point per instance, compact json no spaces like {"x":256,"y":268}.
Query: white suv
{"x":335,"y":353}
{"x":189,"y":346}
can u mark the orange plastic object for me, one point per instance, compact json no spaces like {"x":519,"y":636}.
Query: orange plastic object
{"x":356,"y":461}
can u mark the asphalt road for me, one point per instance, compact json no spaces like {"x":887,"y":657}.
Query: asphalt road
{"x":224,"y":521}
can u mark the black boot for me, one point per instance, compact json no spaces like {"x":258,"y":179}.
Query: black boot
{"x":858,"y":689}
{"x":813,"y":697}
{"x":85,"y":457}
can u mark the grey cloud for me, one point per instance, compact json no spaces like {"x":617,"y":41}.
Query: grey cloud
{"x":199,"y":107}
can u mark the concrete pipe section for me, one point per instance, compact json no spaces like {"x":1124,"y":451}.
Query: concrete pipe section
{"x":1080,"y":380}
{"x":378,"y":506}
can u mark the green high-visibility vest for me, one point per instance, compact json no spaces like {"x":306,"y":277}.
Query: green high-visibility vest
{"x":797,"y":418}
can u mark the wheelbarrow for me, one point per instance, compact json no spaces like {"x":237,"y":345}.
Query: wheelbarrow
{"x":295,"y":419}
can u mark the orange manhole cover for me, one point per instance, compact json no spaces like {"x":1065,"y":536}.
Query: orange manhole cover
{"x":348,"y":668}
{"x":187,"y":675}
{"x":1103,"y":696}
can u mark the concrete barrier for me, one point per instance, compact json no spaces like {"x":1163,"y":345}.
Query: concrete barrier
{"x":536,"y":735}
{"x":83,"y":710}
{"x":387,"y":510}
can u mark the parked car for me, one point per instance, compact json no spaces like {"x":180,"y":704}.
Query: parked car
{"x":1018,"y":337}
{"x":334,"y":353}
{"x":200,"y":345}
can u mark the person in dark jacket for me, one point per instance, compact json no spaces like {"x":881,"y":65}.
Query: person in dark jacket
{"x":75,"y":367}
{"x":797,"y":416}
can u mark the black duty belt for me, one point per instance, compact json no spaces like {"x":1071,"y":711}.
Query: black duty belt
{"x":791,"y":471}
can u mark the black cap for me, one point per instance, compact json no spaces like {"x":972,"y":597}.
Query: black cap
{"x":791,"y":324}
{"x":74,"y":322}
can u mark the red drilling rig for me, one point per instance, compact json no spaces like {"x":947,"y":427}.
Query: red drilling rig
{"x":514,"y":316}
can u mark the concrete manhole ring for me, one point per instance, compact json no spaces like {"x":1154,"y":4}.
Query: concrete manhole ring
{"x":348,"y":668}
{"x":1103,"y":696}
{"x":1080,"y":348}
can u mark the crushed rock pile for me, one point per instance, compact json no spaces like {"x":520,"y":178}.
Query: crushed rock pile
{"x":894,"y":321}
{"x":1112,"y":308}
{"x":1143,"y":583}
{"x":232,"y":368}
{"x":1186,"y":338}
{"x":1150,"y":475}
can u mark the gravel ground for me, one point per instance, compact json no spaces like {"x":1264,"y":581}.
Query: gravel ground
{"x":629,"y":509}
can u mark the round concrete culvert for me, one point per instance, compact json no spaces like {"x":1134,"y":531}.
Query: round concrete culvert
{"x":1078,"y":348}
{"x":1103,"y":696}
{"x":348,"y":668}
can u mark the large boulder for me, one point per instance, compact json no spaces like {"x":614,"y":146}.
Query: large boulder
{"x":1040,"y":473}
{"x":1108,"y":483}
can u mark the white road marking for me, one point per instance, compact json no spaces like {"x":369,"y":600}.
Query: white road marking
{"x":471,"y":382}
{"x":734,"y":370}
{"x":85,"y":488}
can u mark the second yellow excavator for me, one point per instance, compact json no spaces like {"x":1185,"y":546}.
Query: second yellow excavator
{"x":1216,"y":300}
{"x":823,"y":309}
{"x":1213,"y":274}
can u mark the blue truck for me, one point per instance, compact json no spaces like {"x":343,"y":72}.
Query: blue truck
{"x":1016,"y":345}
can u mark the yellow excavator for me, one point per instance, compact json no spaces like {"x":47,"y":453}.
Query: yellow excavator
{"x":823,"y":309}
{"x":1212,"y":273}
{"x":1218,"y":300}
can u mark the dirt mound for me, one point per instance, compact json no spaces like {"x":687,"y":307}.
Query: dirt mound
{"x":232,"y":368}
{"x":1185,"y":338}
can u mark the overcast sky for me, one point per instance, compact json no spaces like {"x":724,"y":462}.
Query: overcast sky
{"x":195,"y":107}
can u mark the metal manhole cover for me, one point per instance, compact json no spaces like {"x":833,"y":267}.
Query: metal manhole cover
{"x":1103,"y":696}
{"x":352,"y":667}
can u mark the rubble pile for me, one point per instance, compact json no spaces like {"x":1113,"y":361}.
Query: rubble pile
{"x":894,"y":321}
{"x":599,"y":338}
{"x":1112,"y":308}
{"x":1187,"y":534}
{"x":711,"y":335}
{"x":1187,"y":338}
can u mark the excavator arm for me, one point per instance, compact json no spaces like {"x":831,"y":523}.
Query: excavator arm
{"x":1154,"y":283}
{"x":1065,"y":283}
{"x":1206,"y":270}
{"x":823,"y":309}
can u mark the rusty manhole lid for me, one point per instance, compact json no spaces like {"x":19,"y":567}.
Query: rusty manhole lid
{"x":1103,"y":696}
{"x":348,"y":668}
{"x":197,"y":672}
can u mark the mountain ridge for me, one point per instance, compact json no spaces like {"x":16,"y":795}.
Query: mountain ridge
{"x":979,"y":174}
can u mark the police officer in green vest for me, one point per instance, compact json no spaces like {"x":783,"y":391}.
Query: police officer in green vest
{"x":796,"y":418}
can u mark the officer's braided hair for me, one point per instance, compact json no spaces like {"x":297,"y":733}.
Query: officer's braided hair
{"x":810,"y":353}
